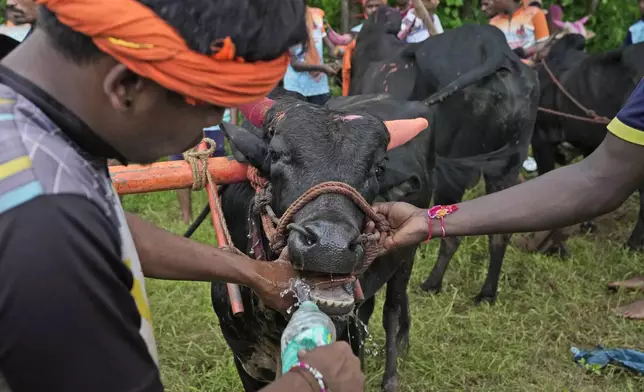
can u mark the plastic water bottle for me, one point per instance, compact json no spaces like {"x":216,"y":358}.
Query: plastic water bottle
{"x":309,"y":328}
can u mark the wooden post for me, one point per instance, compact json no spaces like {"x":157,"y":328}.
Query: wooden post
{"x":346,"y":16}
{"x":172,"y":175}
{"x":423,"y":14}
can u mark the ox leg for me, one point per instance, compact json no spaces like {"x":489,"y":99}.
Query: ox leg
{"x":434,"y":282}
{"x":498,"y":243}
{"x":396,"y":321}
{"x":636,"y":241}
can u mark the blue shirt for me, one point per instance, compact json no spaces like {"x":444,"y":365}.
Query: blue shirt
{"x":635,"y":33}
{"x":303,"y":82}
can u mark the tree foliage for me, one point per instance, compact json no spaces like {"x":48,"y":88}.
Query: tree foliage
{"x":610,"y":21}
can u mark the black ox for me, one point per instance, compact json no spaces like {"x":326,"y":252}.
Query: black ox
{"x":298,"y":146}
{"x":483,"y":103}
{"x":601,"y":83}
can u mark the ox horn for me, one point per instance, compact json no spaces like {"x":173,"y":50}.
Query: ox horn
{"x":256,"y":111}
{"x":402,"y":131}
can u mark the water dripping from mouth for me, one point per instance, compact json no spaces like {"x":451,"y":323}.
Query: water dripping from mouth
{"x":301,"y":291}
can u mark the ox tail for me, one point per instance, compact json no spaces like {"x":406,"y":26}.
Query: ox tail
{"x":488,"y":68}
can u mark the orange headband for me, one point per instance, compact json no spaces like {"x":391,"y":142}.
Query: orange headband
{"x":134,"y":35}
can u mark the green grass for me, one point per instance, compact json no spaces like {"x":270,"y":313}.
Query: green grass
{"x":545,"y":306}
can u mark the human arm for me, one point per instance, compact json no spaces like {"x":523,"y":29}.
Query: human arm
{"x":575,"y":193}
{"x":330,"y":45}
{"x":301,"y":66}
{"x":339,"y":367}
{"x":68,"y":321}
{"x":165,"y":255}
{"x":541,"y":31}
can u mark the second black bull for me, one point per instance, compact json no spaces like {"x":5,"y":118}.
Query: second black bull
{"x":599,"y":82}
{"x":483,"y":104}
{"x":299,"y":146}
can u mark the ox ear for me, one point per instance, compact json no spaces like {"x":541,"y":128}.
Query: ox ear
{"x":402,"y":131}
{"x":247,"y":145}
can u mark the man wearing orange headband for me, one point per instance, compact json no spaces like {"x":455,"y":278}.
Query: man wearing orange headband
{"x":134,"y":81}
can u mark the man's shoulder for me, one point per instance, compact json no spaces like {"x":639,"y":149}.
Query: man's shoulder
{"x":36,"y":158}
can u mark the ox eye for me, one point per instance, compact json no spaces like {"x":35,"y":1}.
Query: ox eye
{"x":274,"y":155}
{"x":380,"y":171}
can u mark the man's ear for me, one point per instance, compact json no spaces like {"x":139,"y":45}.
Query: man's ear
{"x":252,"y":147}
{"x":121,"y":86}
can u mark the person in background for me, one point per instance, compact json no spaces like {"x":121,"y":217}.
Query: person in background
{"x":307,"y":73}
{"x":404,"y":6}
{"x":214,"y":133}
{"x":20,"y":15}
{"x":368,"y":8}
{"x":412,"y":28}
{"x":486,"y":8}
{"x":525,"y":28}
{"x":635,"y":33}
{"x":533,"y":3}
{"x":572,"y":194}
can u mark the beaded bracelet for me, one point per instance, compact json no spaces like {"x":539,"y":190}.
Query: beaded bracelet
{"x":440,"y":212}
{"x":315,"y":373}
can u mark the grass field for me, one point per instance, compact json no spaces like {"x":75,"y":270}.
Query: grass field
{"x":545,"y":306}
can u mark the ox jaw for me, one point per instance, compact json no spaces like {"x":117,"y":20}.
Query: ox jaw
{"x":335,"y":296}
{"x":335,"y":300}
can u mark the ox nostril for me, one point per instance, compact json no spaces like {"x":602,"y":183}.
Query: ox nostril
{"x":353,"y":246}
{"x":310,"y":238}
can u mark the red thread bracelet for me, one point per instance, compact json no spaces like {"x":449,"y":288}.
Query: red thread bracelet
{"x":440,"y":212}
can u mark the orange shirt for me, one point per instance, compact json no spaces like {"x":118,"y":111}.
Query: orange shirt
{"x":526,"y":27}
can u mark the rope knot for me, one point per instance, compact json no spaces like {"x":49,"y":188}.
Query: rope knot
{"x":194,"y":157}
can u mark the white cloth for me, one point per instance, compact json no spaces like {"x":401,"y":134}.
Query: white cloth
{"x":417,"y":30}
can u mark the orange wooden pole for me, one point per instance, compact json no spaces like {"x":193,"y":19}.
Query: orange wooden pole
{"x":236,"y":302}
{"x":173,"y":175}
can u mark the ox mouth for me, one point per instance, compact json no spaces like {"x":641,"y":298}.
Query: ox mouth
{"x":335,"y":297}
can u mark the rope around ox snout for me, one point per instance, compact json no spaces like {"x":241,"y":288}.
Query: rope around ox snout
{"x":277,"y":228}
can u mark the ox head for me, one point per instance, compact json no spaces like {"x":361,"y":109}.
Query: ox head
{"x":303,"y":145}
{"x":385,"y":18}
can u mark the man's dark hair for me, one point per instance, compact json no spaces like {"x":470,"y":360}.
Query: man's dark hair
{"x":260,"y":29}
